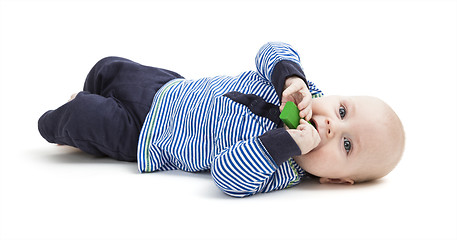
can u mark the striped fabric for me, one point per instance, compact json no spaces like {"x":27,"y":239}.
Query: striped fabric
{"x":192,"y":127}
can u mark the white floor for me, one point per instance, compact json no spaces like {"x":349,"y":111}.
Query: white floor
{"x":402,"y":51}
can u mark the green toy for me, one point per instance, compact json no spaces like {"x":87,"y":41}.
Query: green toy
{"x":290,"y":115}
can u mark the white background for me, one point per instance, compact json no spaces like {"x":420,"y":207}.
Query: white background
{"x":401,"y":51}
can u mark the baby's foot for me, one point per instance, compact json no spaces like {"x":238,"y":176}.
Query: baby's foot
{"x":73,"y":96}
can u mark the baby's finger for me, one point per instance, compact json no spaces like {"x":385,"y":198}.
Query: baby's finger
{"x":309,"y":115}
{"x":302,"y":125}
{"x":291,"y":89}
{"x":306,"y":113}
{"x":305,"y":101}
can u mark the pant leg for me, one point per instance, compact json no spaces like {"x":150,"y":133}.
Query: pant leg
{"x":95,"y":124}
{"x":107,"y":117}
{"x":132,"y":84}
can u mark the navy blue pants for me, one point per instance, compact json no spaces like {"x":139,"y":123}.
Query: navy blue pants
{"x":106,"y":118}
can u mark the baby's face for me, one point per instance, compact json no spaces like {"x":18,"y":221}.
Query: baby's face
{"x":353,"y":133}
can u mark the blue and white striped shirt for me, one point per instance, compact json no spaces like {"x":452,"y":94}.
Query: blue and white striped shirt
{"x":192,"y":127}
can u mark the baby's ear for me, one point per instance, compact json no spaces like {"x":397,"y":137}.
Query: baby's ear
{"x":346,"y":181}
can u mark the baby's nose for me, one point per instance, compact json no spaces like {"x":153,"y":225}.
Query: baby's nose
{"x":329,"y":128}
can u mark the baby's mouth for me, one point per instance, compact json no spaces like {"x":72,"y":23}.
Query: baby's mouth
{"x":313,"y":123}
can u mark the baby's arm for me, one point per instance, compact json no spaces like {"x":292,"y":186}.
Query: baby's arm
{"x":278,"y":61}
{"x":247,"y":167}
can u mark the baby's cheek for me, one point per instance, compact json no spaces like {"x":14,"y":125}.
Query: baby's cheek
{"x":324,"y":157}
{"x":315,"y":162}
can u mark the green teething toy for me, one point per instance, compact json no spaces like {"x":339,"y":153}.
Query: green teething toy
{"x":290,"y":115}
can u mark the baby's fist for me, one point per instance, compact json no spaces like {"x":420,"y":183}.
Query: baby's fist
{"x":306,"y":136}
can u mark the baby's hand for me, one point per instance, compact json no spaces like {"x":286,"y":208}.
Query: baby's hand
{"x":306,"y":136}
{"x":295,"y":90}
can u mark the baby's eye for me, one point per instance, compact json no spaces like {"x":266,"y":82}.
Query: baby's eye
{"x":347,"y":145}
{"x":342,"y":111}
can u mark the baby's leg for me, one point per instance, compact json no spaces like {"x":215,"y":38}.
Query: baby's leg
{"x":93,"y":123}
{"x":130,"y":83}
{"x":106,"y":118}
{"x":109,"y":76}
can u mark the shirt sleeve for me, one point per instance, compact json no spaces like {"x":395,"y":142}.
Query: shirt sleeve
{"x":247,"y":168}
{"x":315,"y":92}
{"x":276,"y":61}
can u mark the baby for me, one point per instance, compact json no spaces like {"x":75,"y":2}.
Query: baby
{"x":229,"y":125}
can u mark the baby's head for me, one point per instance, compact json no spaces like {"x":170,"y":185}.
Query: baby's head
{"x":362,"y":139}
